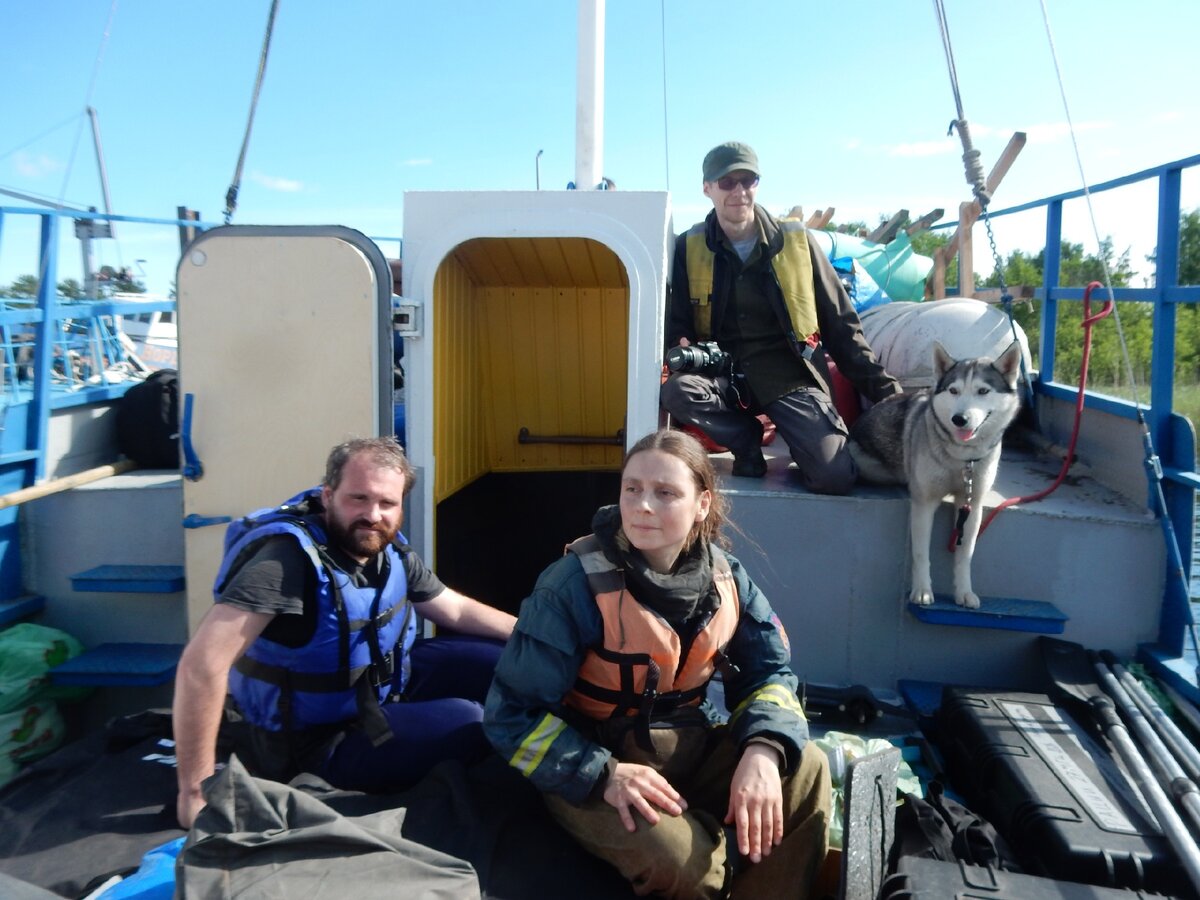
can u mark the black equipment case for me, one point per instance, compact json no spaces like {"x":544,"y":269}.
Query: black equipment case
{"x":1058,"y":797}
{"x":917,"y":878}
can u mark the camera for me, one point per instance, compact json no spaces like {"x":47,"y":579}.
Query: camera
{"x":704,"y":358}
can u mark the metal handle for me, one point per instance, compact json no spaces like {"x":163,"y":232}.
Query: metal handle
{"x":524,"y":437}
{"x":192,"y":469}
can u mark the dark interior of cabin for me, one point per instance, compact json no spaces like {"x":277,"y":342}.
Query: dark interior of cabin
{"x":496,"y":535}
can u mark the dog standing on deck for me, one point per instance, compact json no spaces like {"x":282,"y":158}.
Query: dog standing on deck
{"x":942,"y":440}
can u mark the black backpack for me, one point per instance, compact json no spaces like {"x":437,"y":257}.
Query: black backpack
{"x":148,"y":421}
{"x":937,"y":827}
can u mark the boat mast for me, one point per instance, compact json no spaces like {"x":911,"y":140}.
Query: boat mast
{"x":88,"y":229}
{"x":589,"y":111}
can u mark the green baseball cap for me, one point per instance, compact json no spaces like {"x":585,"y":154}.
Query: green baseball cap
{"x":730,"y":157}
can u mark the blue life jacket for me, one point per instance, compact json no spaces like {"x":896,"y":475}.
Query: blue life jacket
{"x":361,"y":638}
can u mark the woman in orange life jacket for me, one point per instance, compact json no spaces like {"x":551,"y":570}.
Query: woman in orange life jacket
{"x":599,"y":698}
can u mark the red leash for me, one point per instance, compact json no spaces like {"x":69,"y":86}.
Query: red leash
{"x":1088,"y":321}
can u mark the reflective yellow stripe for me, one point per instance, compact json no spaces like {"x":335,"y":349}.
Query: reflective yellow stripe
{"x":772,"y":693}
{"x":533,"y":749}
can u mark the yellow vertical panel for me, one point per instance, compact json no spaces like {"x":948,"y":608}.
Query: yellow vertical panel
{"x":521,"y":362}
{"x":547,"y":337}
{"x":615,"y":306}
{"x":574,"y":370}
{"x":495,"y":339}
{"x":458,"y":434}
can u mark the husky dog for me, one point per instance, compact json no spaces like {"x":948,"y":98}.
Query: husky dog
{"x":942,"y":440}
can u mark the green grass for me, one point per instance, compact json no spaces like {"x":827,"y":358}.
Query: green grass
{"x":1187,"y":397}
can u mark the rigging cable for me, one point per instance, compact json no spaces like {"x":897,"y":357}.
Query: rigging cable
{"x":231,"y":194}
{"x":87,"y":102}
{"x":973,"y":169}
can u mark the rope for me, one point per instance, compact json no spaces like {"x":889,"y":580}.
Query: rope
{"x":1088,"y":321}
{"x":973,"y":168}
{"x":232,"y":193}
{"x":971,"y":156}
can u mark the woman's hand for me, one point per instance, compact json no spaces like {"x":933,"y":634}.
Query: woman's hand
{"x":632,"y":786}
{"x":756,"y":802}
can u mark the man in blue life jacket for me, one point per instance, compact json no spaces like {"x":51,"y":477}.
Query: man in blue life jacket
{"x":771,"y":300}
{"x":313,"y":634}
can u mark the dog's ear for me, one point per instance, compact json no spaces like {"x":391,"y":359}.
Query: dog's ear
{"x":943,"y":362}
{"x":1009,"y":364}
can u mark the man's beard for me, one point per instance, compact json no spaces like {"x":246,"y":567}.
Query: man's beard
{"x":360,"y":538}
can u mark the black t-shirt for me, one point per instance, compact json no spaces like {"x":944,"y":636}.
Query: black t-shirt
{"x":279,"y":579}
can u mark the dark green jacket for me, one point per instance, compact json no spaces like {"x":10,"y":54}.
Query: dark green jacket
{"x":841,"y":333}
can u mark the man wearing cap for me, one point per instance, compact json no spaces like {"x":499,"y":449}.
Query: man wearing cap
{"x":771,"y":299}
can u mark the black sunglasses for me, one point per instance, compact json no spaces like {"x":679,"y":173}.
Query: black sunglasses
{"x":728,"y":182}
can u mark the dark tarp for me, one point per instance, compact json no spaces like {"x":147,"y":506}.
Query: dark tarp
{"x":258,"y":838}
{"x":95,"y":807}
{"x":90,"y":809}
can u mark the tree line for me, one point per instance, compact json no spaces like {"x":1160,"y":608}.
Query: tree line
{"x":1106,"y":367}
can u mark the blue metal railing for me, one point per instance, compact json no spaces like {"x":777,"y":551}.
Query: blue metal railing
{"x":1171,"y":435}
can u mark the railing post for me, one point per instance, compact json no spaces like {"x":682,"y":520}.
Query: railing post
{"x":47,"y":302}
{"x":1166,"y":276}
{"x":1051,"y":262}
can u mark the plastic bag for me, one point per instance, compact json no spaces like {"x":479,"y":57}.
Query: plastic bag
{"x":841,"y":749}
{"x":27,"y":654}
{"x":27,"y":734}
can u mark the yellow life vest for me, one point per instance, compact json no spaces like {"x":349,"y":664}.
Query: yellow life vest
{"x":642,"y":666}
{"x":793,"y":270}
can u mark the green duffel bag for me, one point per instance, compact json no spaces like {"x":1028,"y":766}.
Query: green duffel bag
{"x":27,"y":654}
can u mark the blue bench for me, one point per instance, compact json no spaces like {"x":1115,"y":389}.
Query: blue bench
{"x":1034,"y":616}
{"x":120,"y":665}
{"x":15,"y":610}
{"x":131,"y":579}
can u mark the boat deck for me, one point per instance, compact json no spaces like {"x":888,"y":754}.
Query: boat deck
{"x":836,"y":569}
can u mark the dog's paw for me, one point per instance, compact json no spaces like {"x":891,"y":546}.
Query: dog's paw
{"x":921,"y":596}
{"x":967,"y":599}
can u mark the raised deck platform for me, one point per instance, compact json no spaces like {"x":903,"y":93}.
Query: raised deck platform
{"x":836,"y":569}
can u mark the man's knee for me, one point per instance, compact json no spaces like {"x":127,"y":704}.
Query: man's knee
{"x":836,"y":477}
{"x":677,"y":395}
{"x":825,"y":473}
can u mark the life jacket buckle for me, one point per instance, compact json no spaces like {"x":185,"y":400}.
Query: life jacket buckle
{"x":379,"y":674}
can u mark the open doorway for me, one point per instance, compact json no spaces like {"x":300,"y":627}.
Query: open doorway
{"x":530,"y":383}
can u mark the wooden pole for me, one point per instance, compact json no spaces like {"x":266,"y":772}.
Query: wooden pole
{"x":46,"y":488}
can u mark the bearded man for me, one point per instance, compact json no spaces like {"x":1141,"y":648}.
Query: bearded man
{"x":314,"y":636}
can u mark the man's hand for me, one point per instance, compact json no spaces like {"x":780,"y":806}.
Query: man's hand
{"x":633,"y":786}
{"x":684,"y":342}
{"x":188,"y":806}
{"x":756,"y":802}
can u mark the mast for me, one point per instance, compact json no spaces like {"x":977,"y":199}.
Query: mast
{"x":589,"y":110}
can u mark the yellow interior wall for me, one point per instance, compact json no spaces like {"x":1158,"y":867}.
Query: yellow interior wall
{"x":532,"y":333}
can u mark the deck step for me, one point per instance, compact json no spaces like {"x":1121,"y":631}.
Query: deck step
{"x":130,"y":579}
{"x":119,"y":665}
{"x":19,"y":608}
{"x":1034,"y":616}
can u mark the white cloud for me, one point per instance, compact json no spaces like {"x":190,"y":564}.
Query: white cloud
{"x":1169,"y":117}
{"x":926,"y":148}
{"x":1052,"y":132}
{"x":31,"y":166}
{"x":853,"y":143}
{"x":274,"y":183}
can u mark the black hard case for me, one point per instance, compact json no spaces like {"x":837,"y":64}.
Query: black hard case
{"x":1053,"y":791}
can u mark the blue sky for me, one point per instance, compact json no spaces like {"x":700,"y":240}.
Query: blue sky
{"x":847,"y":103}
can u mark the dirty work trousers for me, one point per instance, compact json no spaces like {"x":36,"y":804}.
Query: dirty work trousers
{"x":694,"y":855}
{"x":806,"y":419}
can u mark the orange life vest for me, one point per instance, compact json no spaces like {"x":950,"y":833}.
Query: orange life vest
{"x":642,"y":668}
